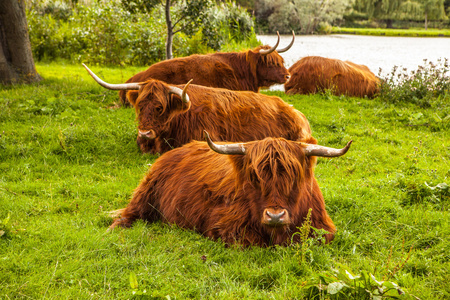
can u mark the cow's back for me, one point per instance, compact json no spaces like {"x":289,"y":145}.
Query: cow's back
{"x":314,"y":73}
{"x":233,"y":116}
{"x":211,"y":70}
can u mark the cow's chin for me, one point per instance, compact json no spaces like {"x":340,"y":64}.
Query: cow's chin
{"x":279,"y":235}
{"x":267,"y":84}
{"x":146,"y":145}
{"x":277,"y":226}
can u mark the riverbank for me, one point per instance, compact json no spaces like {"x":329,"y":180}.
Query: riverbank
{"x":415,"y":32}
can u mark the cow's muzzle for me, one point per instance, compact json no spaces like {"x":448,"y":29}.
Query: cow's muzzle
{"x":275,"y":217}
{"x":150,"y":134}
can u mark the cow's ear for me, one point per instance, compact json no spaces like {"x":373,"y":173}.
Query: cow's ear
{"x":132,"y":96}
{"x":253,"y":55}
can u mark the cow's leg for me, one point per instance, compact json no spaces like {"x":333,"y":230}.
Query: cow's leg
{"x":141,"y":206}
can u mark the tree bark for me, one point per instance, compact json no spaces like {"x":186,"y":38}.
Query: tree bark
{"x":169,"y":40}
{"x":16,"y":59}
{"x":389,"y":23}
{"x":426,"y":21}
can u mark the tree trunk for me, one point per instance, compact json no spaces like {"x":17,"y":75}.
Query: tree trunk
{"x":426,"y":21}
{"x":389,"y":23}
{"x":16,"y":59}
{"x":169,"y":40}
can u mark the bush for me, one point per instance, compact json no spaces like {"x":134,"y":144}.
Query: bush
{"x":227,"y":23}
{"x":97,"y":34}
{"x":424,"y":87}
{"x":107,"y":34}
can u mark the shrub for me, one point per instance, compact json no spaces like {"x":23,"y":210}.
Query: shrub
{"x":107,"y":34}
{"x":97,"y":34}
{"x":429,"y":83}
{"x":227,"y":23}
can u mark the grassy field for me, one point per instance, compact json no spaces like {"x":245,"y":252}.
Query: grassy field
{"x":68,"y":157}
{"x":418,"y":32}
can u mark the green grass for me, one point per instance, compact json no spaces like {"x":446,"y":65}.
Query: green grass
{"x":68,"y":156}
{"x":419,"y":32}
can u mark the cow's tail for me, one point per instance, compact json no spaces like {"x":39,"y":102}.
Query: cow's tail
{"x":118,"y":220}
{"x":116,"y":213}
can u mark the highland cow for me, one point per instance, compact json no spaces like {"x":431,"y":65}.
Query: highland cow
{"x":313,"y":74}
{"x":171,"y":116}
{"x":254,"y":193}
{"x":241,"y":71}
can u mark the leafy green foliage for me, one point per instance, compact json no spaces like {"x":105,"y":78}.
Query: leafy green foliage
{"x":428,"y":86}
{"x":97,"y":34}
{"x":227,"y":23}
{"x":138,"y":6}
{"x":302,"y":16}
{"x":107,"y":34}
{"x":389,"y":10}
{"x":341,"y":283}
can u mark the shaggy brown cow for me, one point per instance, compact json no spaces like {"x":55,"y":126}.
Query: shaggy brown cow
{"x":241,"y":71}
{"x":167,"y":122}
{"x":312,"y":74}
{"x":254,"y":193}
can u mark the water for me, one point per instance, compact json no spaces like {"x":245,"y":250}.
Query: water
{"x":373,"y":51}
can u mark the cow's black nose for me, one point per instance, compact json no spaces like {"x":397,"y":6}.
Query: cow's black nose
{"x":275,"y":217}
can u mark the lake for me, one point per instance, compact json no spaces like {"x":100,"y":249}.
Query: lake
{"x":375,"y":52}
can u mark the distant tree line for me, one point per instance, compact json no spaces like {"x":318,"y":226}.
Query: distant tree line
{"x":317,"y":16}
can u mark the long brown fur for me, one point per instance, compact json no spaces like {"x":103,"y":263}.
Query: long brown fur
{"x":236,"y":116}
{"x":224,"y":196}
{"x":241,"y":71}
{"x":313,"y":74}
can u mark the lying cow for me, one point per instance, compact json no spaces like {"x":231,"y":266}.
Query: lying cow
{"x":169,"y":118}
{"x":313,"y":74}
{"x":241,"y":71}
{"x":254,"y":193}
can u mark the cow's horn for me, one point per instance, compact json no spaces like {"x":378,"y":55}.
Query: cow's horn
{"x":317,"y":150}
{"x":265,"y":52}
{"x":289,"y":46}
{"x":181,"y":92}
{"x":235,"y":148}
{"x":109,"y":86}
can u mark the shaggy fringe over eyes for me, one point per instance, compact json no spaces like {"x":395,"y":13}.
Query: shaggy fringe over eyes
{"x":156,"y":94}
{"x":271,"y":59}
{"x":153,"y":92}
{"x":277,"y":164}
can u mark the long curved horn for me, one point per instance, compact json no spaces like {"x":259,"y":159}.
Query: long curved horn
{"x":317,"y":150}
{"x":235,"y":148}
{"x":109,"y":86}
{"x":181,"y":92}
{"x":265,"y":52}
{"x":288,"y":46}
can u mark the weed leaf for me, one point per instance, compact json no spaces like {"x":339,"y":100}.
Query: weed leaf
{"x":335,"y":287}
{"x":133,"y":281}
